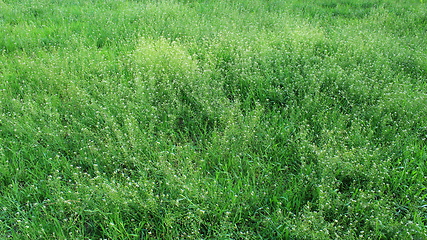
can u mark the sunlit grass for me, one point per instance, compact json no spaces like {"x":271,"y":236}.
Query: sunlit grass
{"x":243,"y":119}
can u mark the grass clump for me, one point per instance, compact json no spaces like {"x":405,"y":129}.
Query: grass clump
{"x":204,"y":119}
{"x":180,"y":96}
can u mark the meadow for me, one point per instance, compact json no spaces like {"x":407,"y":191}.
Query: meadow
{"x":208,"y":119}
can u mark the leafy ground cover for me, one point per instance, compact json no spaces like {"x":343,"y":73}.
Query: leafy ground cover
{"x":249,"y":119}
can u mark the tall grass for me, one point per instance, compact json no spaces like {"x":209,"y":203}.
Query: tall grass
{"x":242,"y":119}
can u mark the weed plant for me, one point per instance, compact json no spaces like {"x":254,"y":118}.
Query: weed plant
{"x":249,"y":119}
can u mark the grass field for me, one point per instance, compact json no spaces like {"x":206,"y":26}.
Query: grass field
{"x":249,"y":119}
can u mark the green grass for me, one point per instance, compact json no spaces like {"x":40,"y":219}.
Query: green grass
{"x":250,"y":119}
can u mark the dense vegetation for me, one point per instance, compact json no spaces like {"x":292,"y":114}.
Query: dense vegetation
{"x":249,"y":119}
